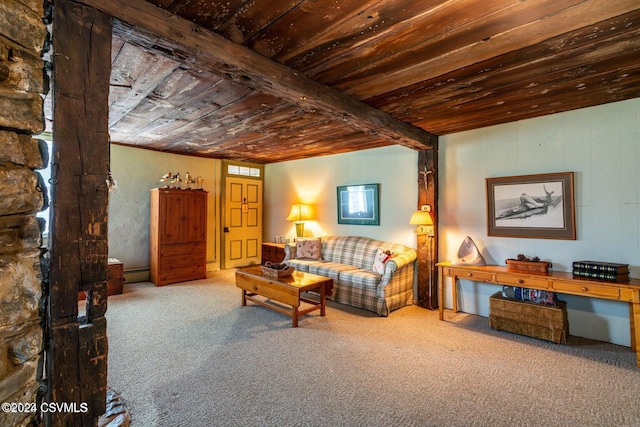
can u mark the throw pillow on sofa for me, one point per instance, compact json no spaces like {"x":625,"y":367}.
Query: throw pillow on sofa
{"x":308,"y":248}
{"x":381,"y":258}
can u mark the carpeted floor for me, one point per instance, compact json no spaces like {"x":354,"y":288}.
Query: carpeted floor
{"x":190,"y":355}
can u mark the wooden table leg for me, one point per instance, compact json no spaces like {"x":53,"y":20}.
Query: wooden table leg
{"x":454,"y":292}
{"x":323,"y":299}
{"x":244,"y":298}
{"x":441,"y":292}
{"x":294,"y":316}
{"x":634,"y":321}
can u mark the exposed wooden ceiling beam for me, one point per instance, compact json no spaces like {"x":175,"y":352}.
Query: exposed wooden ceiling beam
{"x":259,"y":73}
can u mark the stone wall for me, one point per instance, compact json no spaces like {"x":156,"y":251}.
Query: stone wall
{"x":22,"y":39}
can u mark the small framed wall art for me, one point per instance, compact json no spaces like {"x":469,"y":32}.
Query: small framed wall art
{"x":358,"y":204}
{"x":538,"y":206}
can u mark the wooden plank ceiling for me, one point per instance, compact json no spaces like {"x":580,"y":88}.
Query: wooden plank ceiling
{"x":439,"y":66}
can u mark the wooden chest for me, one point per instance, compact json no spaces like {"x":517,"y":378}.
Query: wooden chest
{"x":273,"y":252}
{"x":536,"y":266}
{"x":525,"y":318}
{"x":115,"y":278}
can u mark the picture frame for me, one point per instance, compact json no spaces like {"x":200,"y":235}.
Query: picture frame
{"x":537,"y":206}
{"x":358,"y":204}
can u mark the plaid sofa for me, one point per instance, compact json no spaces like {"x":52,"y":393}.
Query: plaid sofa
{"x":349,"y":260}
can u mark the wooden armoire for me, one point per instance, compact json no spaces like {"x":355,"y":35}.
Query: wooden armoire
{"x":178,"y":246}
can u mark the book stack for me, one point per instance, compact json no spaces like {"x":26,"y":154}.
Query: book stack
{"x":608,"y":271}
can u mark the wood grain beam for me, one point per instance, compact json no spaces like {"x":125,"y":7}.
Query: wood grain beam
{"x":427,"y":251}
{"x":250,"y":69}
{"x":77,"y":348}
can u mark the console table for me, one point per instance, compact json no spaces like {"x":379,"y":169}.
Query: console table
{"x":560,"y":282}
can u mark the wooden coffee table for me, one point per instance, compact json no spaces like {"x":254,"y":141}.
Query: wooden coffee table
{"x":269,"y":291}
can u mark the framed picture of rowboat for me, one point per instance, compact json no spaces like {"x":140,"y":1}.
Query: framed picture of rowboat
{"x":537,"y":206}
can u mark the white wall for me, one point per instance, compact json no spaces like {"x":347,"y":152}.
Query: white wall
{"x":137,"y":171}
{"x":314,"y":181}
{"x":601,"y":145}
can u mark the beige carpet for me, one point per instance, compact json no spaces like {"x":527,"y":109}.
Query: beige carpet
{"x":190,"y":355}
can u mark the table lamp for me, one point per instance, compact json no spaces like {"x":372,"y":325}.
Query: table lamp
{"x":299,"y":214}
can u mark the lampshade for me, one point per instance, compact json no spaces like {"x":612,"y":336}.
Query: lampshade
{"x":299,"y":213}
{"x":421,"y":218}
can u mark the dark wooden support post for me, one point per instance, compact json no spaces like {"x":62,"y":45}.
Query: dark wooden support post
{"x":428,"y":245}
{"x":76,"y":351}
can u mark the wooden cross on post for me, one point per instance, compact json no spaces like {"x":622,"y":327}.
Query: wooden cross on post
{"x":428,"y":195}
{"x":425,"y":173}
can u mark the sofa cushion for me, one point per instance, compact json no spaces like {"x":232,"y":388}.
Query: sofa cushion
{"x":308,"y":248}
{"x":330,"y":269}
{"x":360,"y":278}
{"x":303,"y":264}
{"x":351,"y":250}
